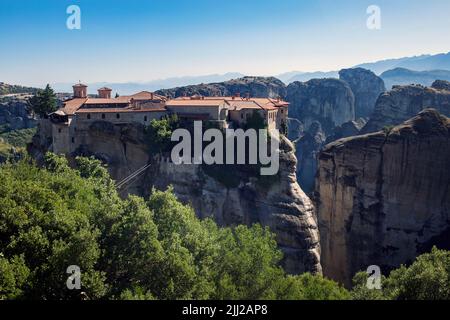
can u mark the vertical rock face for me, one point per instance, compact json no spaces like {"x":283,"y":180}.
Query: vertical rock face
{"x":275,"y":201}
{"x":269,"y":87}
{"x":348,"y":129}
{"x":384,"y":198}
{"x":328,"y":101}
{"x":366,"y":87}
{"x":295,"y":129}
{"x":307,"y":149}
{"x":14,"y":114}
{"x":403,"y":102}
{"x":281,"y":205}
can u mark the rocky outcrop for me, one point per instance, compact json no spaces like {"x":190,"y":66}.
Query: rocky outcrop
{"x":295,"y":129}
{"x":366,"y":87}
{"x":348,"y":129}
{"x":384,"y":198}
{"x":281,"y":205}
{"x":307,"y":149}
{"x":277,"y":202}
{"x":403,"y":102}
{"x":14,"y":114}
{"x":441,"y":85}
{"x":260,"y":87}
{"x":328,"y":101}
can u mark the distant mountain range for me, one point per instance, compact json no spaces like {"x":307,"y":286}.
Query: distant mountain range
{"x":394,"y":71}
{"x":402,"y":76}
{"x":306,"y":76}
{"x":133,"y":87}
{"x":417,"y":63}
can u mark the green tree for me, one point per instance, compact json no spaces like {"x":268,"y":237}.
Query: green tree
{"x":159,"y":133}
{"x":43,"y":102}
{"x":428,"y":278}
{"x":57,"y":216}
{"x":255,"y":121}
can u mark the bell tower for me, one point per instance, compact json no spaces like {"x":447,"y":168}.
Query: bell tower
{"x":79,"y":90}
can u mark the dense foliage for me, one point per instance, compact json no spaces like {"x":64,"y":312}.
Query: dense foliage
{"x":159,"y":132}
{"x":54,"y":217}
{"x":255,"y":121}
{"x":18,"y":138}
{"x":14,"y":89}
{"x":428,"y":278}
{"x":43,"y":102}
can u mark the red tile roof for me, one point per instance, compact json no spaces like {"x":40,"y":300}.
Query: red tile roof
{"x":70,"y":106}
{"x":117,"y":110}
{"x":104,"y":101}
{"x":195,"y":103}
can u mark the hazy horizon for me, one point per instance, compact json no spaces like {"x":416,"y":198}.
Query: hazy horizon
{"x":142,"y":41}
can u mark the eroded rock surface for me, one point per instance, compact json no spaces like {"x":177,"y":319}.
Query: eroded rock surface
{"x":277,"y":202}
{"x":328,"y":101}
{"x":366,"y":87}
{"x":384,"y":198}
{"x":403,"y":102}
{"x":261,"y":87}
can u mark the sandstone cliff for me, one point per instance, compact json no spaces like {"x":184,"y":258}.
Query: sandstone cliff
{"x":260,"y":87}
{"x":404,"y":102}
{"x":384,"y":198}
{"x":277,"y":202}
{"x":328,"y":101}
{"x":366,"y":87}
{"x":14,"y":114}
{"x":307,"y":149}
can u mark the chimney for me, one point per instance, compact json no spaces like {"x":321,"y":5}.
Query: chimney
{"x":104,"y":93}
{"x":79,"y":90}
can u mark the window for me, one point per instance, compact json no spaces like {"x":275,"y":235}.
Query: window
{"x":88,"y":115}
{"x":103,"y":116}
{"x":73,"y":140}
{"x":242,"y":116}
{"x":145,"y":118}
{"x":118,"y":116}
{"x":59,"y":130}
{"x":282,"y":111}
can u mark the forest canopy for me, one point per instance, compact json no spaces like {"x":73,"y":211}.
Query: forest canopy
{"x":56,"y":216}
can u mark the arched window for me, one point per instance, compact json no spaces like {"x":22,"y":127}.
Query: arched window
{"x":118,"y":116}
{"x":88,"y":116}
{"x":145,"y":118}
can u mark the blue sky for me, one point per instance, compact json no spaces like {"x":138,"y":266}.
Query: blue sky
{"x":141,"y":40}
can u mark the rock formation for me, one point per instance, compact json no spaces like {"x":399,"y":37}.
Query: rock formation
{"x":14,"y":114}
{"x":295,"y":129}
{"x":366,"y":87}
{"x":328,"y":101}
{"x":307,"y":149}
{"x":260,"y":87}
{"x":441,"y":85}
{"x":277,"y":201}
{"x":404,"y":102}
{"x":348,"y":129}
{"x":384,"y":198}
